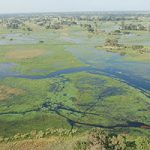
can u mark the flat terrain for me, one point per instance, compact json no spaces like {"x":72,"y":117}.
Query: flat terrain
{"x":74,"y":74}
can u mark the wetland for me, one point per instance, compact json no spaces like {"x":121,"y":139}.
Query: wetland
{"x":67,"y":73}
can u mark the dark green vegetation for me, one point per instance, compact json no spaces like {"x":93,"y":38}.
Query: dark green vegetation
{"x":44,"y":103}
{"x":98,"y":139}
{"x":70,"y":73}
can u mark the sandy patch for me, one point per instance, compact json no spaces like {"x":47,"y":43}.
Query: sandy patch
{"x":39,"y":144}
{"x":7,"y":92}
{"x":24,"y":54}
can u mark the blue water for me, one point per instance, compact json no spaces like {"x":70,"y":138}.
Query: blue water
{"x":136,"y":74}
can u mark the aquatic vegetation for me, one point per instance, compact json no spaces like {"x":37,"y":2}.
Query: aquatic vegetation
{"x":48,"y":58}
{"x":59,"y":80}
{"x":71,"y":100}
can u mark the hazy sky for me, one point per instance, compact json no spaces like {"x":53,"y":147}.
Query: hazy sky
{"x":15,"y":6}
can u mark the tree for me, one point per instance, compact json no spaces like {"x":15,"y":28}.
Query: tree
{"x":29,"y":29}
{"x":90,"y":28}
{"x":111,"y":42}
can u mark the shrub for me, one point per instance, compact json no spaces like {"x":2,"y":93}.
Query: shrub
{"x":98,"y":139}
{"x":81,"y":145}
{"x":142,"y":143}
{"x":111,"y":42}
{"x":41,"y":41}
{"x":17,"y":136}
{"x":123,"y":53}
{"x":40,"y":134}
{"x":6,"y":140}
{"x":137,"y":47}
{"x":1,"y":139}
{"x":33,"y":133}
{"x":118,"y":143}
{"x":23,"y":136}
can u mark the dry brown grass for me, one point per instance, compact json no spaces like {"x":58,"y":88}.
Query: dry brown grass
{"x":24,"y":54}
{"x":49,"y":143}
{"x":36,"y":144}
{"x":7,"y":92}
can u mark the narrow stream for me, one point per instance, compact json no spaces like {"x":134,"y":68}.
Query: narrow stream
{"x":49,"y":106}
{"x":99,"y":62}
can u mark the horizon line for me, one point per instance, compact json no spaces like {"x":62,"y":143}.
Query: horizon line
{"x":82,"y":11}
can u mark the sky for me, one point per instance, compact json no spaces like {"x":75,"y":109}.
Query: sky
{"x":27,"y":6}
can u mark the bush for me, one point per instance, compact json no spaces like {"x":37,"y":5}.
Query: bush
{"x":1,"y":139}
{"x":23,"y":136}
{"x":33,"y":133}
{"x":17,"y":136}
{"x":137,"y":47}
{"x":29,"y":29}
{"x":40,"y":134}
{"x":41,"y":41}
{"x":6,"y":140}
{"x":118,"y":143}
{"x":81,"y":145}
{"x":142,"y":143}
{"x":98,"y":139}
{"x":123,"y":53}
{"x":111,"y":42}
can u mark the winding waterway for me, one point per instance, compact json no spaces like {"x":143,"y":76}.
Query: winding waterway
{"x":99,"y":62}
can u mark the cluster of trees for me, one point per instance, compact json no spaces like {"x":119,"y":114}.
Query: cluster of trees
{"x":88,"y":27}
{"x":55,"y":22}
{"x":101,"y":140}
{"x":59,"y":25}
{"x":16,"y":23}
{"x":116,"y":18}
{"x":48,"y":22}
{"x":69,"y":21}
{"x":115,"y":43}
{"x":54,"y":26}
{"x":131,"y":26}
{"x":12,"y":22}
{"x":12,"y":26}
{"x":106,"y":17}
